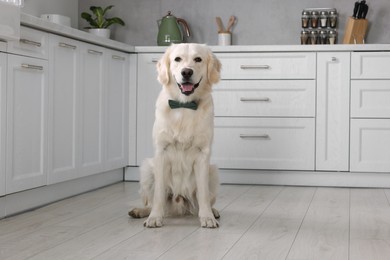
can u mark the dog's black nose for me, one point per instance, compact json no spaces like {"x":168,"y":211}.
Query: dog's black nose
{"x":187,"y":73}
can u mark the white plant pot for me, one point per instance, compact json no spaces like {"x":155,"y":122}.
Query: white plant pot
{"x":101,"y":32}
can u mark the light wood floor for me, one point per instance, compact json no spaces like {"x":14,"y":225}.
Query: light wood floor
{"x":257,"y":222}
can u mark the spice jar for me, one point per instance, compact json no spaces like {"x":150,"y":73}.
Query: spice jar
{"x":333,"y":18}
{"x":323,"y":38}
{"x":314,"y":19}
{"x":305,"y":19}
{"x":313,"y":37}
{"x":332,"y":37}
{"x":324,"y":19}
{"x":304,"y":37}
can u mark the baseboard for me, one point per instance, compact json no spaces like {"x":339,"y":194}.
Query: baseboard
{"x":27,"y":200}
{"x":293,"y":178}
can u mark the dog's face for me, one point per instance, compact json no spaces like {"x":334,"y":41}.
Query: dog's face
{"x":188,"y":71}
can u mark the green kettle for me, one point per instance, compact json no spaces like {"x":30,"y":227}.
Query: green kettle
{"x":169,"y":30}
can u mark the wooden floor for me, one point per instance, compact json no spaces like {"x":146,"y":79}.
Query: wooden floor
{"x":257,"y":222}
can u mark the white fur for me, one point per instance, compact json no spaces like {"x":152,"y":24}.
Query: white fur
{"x":179,"y":179}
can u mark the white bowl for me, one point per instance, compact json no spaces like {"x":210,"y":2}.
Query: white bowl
{"x":57,"y":18}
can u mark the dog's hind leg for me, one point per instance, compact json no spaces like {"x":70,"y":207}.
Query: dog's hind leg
{"x":146,"y":190}
{"x":140,"y":212}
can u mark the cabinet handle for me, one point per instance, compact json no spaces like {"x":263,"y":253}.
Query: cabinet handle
{"x":247,"y":136}
{"x":116,"y":57}
{"x":255,"y":99}
{"x":255,"y":67}
{"x":334,"y":59}
{"x":33,"y":67}
{"x":154,"y":60}
{"x":65,"y":45}
{"x":95,"y":52}
{"x":25,"y":41}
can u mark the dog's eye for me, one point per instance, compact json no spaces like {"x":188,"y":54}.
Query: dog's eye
{"x":178,"y":59}
{"x":198,"y":59}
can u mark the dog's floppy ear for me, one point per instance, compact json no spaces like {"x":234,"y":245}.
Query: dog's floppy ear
{"x":163,"y":68}
{"x":213,"y":69}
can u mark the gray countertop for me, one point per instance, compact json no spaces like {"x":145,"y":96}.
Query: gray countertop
{"x":38,"y":23}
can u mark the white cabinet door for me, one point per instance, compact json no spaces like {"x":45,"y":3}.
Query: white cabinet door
{"x":148,"y":90}
{"x":92,"y":72}
{"x":117,"y":110}
{"x":332,"y":124}
{"x":370,"y":145}
{"x":3,"y":73}
{"x":63,"y":149}
{"x":26,"y":123}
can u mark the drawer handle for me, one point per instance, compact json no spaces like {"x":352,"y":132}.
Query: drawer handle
{"x":32,"y":67}
{"x":255,"y":99}
{"x":95,"y":52}
{"x":116,"y":57}
{"x":154,"y":60}
{"x":334,"y":59}
{"x":25,"y":41}
{"x":247,"y":136}
{"x":255,"y":67}
{"x":65,"y":45}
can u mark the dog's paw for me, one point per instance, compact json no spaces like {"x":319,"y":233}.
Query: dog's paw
{"x":208,"y":222}
{"x":154,"y":222}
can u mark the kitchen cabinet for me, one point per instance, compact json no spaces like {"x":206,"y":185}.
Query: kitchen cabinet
{"x":148,"y":90}
{"x":370,"y":112}
{"x":3,"y":73}
{"x":265,"y":107}
{"x":27,"y":106}
{"x":92,"y":75}
{"x":32,"y":43}
{"x":64,"y":112}
{"x":332,"y":118}
{"x":117,"y":114}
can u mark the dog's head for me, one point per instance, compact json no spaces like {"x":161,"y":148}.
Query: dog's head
{"x":188,"y":71}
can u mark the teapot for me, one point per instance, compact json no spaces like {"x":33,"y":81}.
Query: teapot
{"x":169,"y":30}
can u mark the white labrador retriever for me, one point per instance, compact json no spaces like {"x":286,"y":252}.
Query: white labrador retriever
{"x":179,"y":179}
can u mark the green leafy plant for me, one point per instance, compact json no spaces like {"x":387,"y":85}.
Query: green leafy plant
{"x":98,"y":18}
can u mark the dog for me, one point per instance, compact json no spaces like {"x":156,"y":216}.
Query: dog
{"x":179,"y":180}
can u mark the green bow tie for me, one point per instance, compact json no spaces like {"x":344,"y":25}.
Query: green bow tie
{"x":175,"y":104}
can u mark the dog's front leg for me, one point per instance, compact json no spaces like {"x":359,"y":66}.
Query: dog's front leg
{"x":201,"y":168}
{"x":155,"y":218}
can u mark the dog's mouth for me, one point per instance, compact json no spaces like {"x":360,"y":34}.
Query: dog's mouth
{"x":187,"y":88}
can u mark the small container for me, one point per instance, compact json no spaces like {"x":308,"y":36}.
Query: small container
{"x":313,"y":37}
{"x":332,"y":37}
{"x":314,"y":19}
{"x":305,"y":19}
{"x":323,"y":38}
{"x":324,"y":19}
{"x":333,"y":19}
{"x":304,"y":37}
{"x":224,"y":38}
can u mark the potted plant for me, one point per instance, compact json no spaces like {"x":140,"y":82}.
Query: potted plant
{"x":98,"y":22}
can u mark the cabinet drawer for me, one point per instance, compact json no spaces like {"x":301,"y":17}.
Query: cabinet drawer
{"x":370,"y":145}
{"x":370,"y":98}
{"x":32,"y":43}
{"x":268,"y":65}
{"x":264,"y":143}
{"x":265,"y":98}
{"x":370,"y":65}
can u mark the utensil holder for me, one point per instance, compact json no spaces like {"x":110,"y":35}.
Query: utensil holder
{"x":224,"y":38}
{"x":355,"y":31}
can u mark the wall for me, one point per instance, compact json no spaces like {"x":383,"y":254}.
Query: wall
{"x":64,"y":7}
{"x":259,"y":21}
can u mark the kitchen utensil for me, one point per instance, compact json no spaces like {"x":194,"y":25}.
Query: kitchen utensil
{"x":170,"y":31}
{"x":231,"y":22}
{"x":221,"y":29}
{"x":360,"y":10}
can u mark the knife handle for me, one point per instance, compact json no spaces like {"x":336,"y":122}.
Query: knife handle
{"x":355,"y":9}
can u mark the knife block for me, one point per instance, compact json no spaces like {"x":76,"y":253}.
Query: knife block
{"x":355,"y":31}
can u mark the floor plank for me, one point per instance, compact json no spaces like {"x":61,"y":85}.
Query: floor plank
{"x":324,"y":233}
{"x":369,"y":224}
